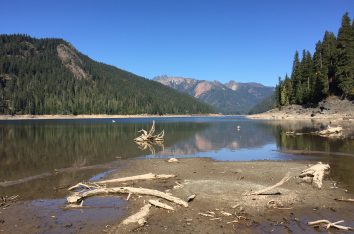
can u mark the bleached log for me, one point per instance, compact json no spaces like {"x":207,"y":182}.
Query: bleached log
{"x":77,"y":197}
{"x":173,"y":160}
{"x":343,"y":199}
{"x":139,"y":217}
{"x":161,"y":205}
{"x":98,"y":184}
{"x":191,"y":197}
{"x":263,"y":191}
{"x":148,"y":176}
{"x":330,"y":224}
{"x":331,"y":131}
{"x":316,"y":172}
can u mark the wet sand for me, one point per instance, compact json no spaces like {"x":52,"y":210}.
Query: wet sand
{"x":219,"y":186}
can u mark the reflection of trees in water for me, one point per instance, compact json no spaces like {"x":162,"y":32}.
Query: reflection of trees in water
{"x":341,"y":166}
{"x":308,"y":141}
{"x":29,"y":149}
{"x":221,"y":135}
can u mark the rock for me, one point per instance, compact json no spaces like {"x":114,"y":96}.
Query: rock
{"x":173,"y":160}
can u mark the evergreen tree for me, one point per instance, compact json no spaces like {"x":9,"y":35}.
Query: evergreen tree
{"x":330,"y":71}
{"x":345,"y":65}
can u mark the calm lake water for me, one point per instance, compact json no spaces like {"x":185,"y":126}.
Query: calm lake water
{"x":37,"y":154}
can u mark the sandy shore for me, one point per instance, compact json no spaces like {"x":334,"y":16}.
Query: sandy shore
{"x":27,"y":117}
{"x":331,"y":108}
{"x":283,"y":115}
{"x":221,"y":189}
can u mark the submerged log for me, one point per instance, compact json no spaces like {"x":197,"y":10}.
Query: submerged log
{"x":77,"y":197}
{"x":315,"y":174}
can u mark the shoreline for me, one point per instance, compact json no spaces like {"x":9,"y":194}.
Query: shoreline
{"x":101,"y":116}
{"x":220,"y":187}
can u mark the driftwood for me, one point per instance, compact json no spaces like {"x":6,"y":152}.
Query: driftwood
{"x":161,"y":205}
{"x":191,"y":197}
{"x":329,"y":224}
{"x":315,"y":174}
{"x":5,"y":200}
{"x":77,"y":197}
{"x":149,"y":136}
{"x":331,"y":132}
{"x":98,"y":184}
{"x":148,"y":176}
{"x":345,"y":200}
{"x":265,"y":190}
{"x":144,"y":145}
{"x":173,"y":160}
{"x":139,"y":217}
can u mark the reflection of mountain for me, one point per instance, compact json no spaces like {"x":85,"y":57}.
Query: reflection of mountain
{"x":39,"y":147}
{"x":221,"y":135}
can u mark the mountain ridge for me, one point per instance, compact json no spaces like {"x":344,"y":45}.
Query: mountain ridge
{"x":228,"y":98}
{"x":50,"y":76}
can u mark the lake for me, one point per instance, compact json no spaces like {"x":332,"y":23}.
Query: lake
{"x":37,"y":154}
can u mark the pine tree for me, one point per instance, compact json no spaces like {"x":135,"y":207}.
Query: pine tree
{"x":345,"y":65}
{"x":296,"y":78}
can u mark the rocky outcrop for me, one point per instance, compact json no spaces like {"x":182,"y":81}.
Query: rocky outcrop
{"x":71,"y":61}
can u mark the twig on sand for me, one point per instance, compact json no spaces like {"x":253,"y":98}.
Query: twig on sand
{"x":329,"y":224}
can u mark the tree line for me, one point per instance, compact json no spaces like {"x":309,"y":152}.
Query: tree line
{"x":329,"y":71}
{"x":34,"y":80}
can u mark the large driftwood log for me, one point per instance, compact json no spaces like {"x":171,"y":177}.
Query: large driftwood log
{"x":329,"y":224}
{"x":316,"y":173}
{"x":139,"y":217}
{"x":331,"y":132}
{"x":149,"y":136}
{"x":148,"y":176}
{"x":265,"y":190}
{"x":77,"y":197}
{"x":97,"y":184}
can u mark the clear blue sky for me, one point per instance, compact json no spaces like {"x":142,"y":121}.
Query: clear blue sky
{"x":213,"y":40}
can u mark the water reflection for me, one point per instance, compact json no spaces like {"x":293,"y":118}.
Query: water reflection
{"x":32,"y":148}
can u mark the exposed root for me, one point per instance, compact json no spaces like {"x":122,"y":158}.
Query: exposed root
{"x":149,"y":136}
{"x":315,"y":174}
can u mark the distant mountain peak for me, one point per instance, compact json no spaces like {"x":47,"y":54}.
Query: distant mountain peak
{"x":229,"y":98}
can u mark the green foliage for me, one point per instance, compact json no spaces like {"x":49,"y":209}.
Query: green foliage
{"x":34,"y":80}
{"x":330,"y":71}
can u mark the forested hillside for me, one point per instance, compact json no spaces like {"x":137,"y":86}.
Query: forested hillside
{"x":329,"y":71}
{"x":49,"y":76}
